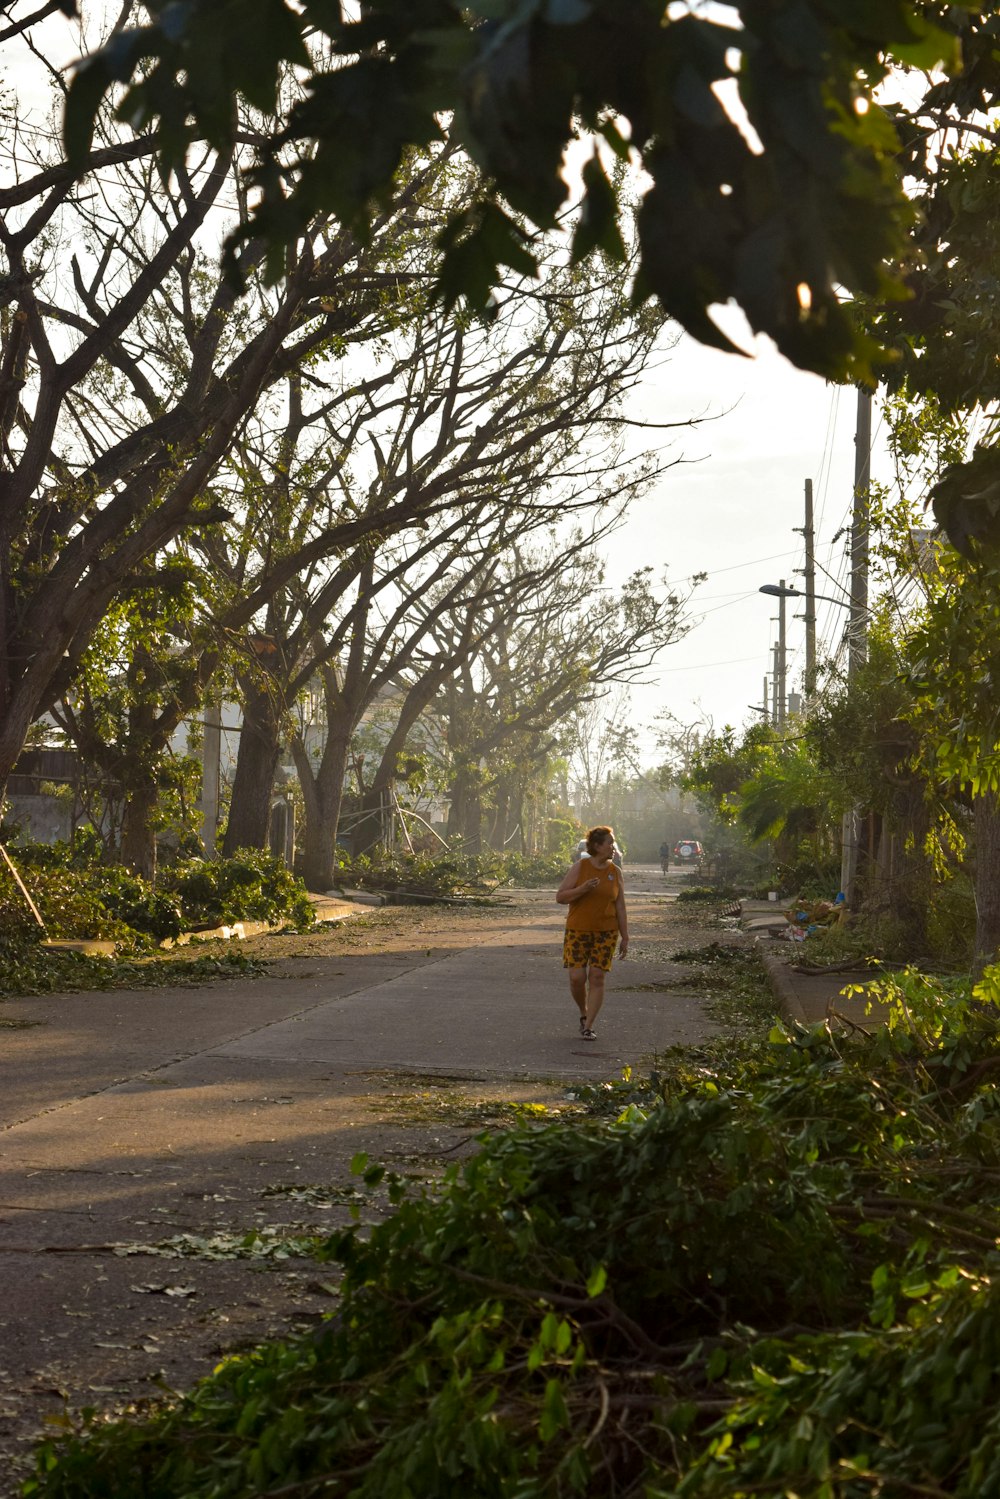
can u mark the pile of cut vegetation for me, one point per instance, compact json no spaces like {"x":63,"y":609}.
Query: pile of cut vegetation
{"x":76,"y":896}
{"x":449,"y":875}
{"x":775,"y":1274}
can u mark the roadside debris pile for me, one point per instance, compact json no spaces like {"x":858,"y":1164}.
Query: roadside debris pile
{"x":796,"y":922}
{"x":806,"y":917}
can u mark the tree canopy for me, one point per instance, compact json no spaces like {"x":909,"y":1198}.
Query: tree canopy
{"x":766,"y":177}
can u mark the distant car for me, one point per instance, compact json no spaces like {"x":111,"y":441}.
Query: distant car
{"x":688,"y":851}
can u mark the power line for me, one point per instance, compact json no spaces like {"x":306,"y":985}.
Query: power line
{"x":753,"y":562}
{"x":704,"y":613}
{"x":708,"y":665}
{"x":826,"y":460}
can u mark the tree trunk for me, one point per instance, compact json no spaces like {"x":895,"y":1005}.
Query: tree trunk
{"x":370,"y":828}
{"x":137,"y":772}
{"x":472,"y":829}
{"x":465,"y":810}
{"x":458,"y":794}
{"x":900,"y":882}
{"x":368,"y":831}
{"x":498,"y":835}
{"x":250,"y":807}
{"x":138,"y":842}
{"x":986,"y":814}
{"x":322,"y":802}
{"x":517,"y":817}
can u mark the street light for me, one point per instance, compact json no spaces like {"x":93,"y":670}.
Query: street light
{"x":787,"y":591}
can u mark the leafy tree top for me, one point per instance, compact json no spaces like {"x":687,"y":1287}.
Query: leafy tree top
{"x":768,"y":179}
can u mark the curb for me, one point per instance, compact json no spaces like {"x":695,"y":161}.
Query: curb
{"x":783,"y":987}
{"x":239,"y":930}
{"x":328,"y":911}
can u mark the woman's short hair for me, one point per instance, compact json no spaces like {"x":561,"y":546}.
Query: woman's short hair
{"x":596,"y":836}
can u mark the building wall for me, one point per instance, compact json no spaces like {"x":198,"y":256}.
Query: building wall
{"x":42,"y":818}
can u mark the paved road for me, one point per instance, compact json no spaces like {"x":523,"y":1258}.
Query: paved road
{"x":128,"y":1117}
{"x":496,"y":1006}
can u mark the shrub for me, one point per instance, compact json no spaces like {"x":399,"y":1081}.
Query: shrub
{"x":534,"y":871}
{"x":703,"y":894}
{"x":251,"y":886}
{"x":78,"y":898}
{"x":136,"y":903}
{"x":448,"y":874}
{"x":561,"y":837}
{"x":69,"y":905}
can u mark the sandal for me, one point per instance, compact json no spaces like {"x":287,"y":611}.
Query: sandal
{"x":588,"y":1034}
{"x":583,"y":1024}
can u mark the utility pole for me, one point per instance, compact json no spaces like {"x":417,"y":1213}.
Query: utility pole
{"x":857,"y":639}
{"x":781,"y":661}
{"x":809,"y":573}
{"x":211,"y":749}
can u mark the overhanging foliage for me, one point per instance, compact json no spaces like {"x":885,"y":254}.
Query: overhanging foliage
{"x":781,"y":215}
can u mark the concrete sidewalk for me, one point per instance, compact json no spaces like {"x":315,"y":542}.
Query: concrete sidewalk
{"x":814,"y":998}
{"x":805,"y":996}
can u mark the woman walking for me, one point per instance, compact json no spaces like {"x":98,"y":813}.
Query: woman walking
{"x":596,"y":924}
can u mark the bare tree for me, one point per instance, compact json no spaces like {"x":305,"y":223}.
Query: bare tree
{"x":595,"y":742}
{"x":570,"y":643}
{"x":483,"y":432}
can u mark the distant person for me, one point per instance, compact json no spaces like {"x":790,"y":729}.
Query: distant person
{"x":596,"y":923}
{"x":664,"y":856}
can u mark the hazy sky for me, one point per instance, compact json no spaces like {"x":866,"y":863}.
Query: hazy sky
{"x":729,"y":510}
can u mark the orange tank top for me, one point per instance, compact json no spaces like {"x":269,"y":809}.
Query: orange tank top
{"x":595,"y":912}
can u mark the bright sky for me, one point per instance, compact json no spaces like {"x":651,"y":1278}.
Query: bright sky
{"x":729,"y":510}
